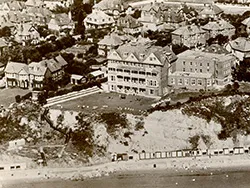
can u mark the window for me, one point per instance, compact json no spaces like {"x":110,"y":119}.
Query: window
{"x":180,"y":81}
{"x":200,"y":64}
{"x":125,"y":54}
{"x":208,"y":82}
{"x":151,"y":91}
{"x":193,"y":81}
{"x":172,"y":81}
{"x":154,"y":74}
{"x":112,"y":78}
{"x":199,"y":82}
{"x":112,"y":87}
{"x":151,"y":59}
{"x":134,"y":72}
{"x":183,"y":69}
{"x":186,"y":81}
{"x":142,"y":72}
{"x":191,"y":63}
{"x":184,"y":63}
{"x":208,"y":64}
{"x":148,"y":73}
{"x":200,"y":70}
{"x":191,"y":70}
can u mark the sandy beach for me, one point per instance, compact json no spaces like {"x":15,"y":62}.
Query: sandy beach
{"x":178,"y":166}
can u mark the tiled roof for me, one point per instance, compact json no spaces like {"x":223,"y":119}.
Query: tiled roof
{"x":34,"y":3}
{"x":24,"y":29}
{"x":241,"y":44}
{"x":216,"y":48}
{"x":211,"y":10}
{"x":15,"y":67}
{"x":129,"y":22}
{"x":142,"y":51}
{"x":110,"y":5}
{"x":99,"y":17}
{"x":62,"y":19}
{"x":54,"y":64}
{"x":202,"y":55}
{"x":218,"y":25}
{"x":16,"y":5}
{"x":3,"y":43}
{"x":156,"y":7}
{"x":111,"y":40}
{"x":36,"y":68}
{"x":191,"y":74}
{"x":246,"y":21}
{"x":188,"y":30}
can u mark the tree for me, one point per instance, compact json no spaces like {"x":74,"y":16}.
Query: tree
{"x":136,"y":14}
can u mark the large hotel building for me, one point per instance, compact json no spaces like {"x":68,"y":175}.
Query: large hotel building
{"x":139,"y":68}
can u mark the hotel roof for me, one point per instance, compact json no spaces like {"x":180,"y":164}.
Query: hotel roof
{"x":241,"y":44}
{"x":188,"y":30}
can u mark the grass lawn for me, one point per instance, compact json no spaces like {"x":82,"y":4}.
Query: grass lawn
{"x":107,"y":102}
{"x":7,"y":96}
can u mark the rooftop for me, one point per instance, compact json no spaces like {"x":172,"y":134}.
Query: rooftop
{"x":241,"y":44}
{"x":188,"y":30}
{"x":15,"y":67}
{"x":191,"y":74}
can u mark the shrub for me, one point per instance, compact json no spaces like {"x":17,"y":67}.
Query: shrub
{"x":139,"y":125}
{"x":18,"y":98}
{"x":194,"y":141}
{"x":127,"y":134}
{"x":114,"y":121}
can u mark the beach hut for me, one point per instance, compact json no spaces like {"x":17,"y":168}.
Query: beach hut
{"x":152,"y":156}
{"x":163,"y":155}
{"x":220,"y":151}
{"x":173,"y":153}
{"x":141,"y":156}
{"x":158,"y":155}
{"x":238,"y":150}
{"x":215,"y":152}
{"x":168,"y":154}
{"x":231,"y":151}
{"x":246,"y":150}
{"x":186,"y":153}
{"x":226,"y":151}
{"x":122,"y":156}
{"x":204,"y":152}
{"x":147,"y":155}
{"x":179,"y":153}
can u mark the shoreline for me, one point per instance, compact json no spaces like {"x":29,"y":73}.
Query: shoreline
{"x":173,"y":167}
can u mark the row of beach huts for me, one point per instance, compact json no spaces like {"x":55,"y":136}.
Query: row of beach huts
{"x":194,"y":153}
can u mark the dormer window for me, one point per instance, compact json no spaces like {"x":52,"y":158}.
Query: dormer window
{"x":142,"y":56}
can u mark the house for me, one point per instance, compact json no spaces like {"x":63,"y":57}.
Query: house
{"x":129,"y":25}
{"x":155,"y":14}
{"x":15,"y":144}
{"x":38,"y":74}
{"x":56,"y":66}
{"x":139,"y":68}
{"x":197,"y":70}
{"x":76,"y":79}
{"x":39,"y":15}
{"x":112,"y":7}
{"x":17,"y":75}
{"x":239,"y":47}
{"x":189,"y":35}
{"x":26,"y":32}
{"x":53,"y":4}
{"x":112,"y":41}
{"x":98,"y":20}
{"x":33,"y":75}
{"x":60,"y":22}
{"x":96,"y":75}
{"x":34,"y":3}
{"x":77,"y":49}
{"x":211,"y":11}
{"x":222,"y":27}
{"x":246,"y":23}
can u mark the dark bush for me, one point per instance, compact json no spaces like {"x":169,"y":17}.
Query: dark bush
{"x":18,"y":98}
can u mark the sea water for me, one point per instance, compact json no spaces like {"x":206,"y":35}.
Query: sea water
{"x":152,"y":179}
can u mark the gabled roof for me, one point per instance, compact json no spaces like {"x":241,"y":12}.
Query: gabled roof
{"x":143,"y":50}
{"x":55,"y":64}
{"x":15,"y":67}
{"x":99,"y":17}
{"x":218,"y":25}
{"x":216,"y":48}
{"x":129,"y":22}
{"x":36,"y":68}
{"x":62,"y":19}
{"x":25,"y":29}
{"x":3,"y":43}
{"x":111,"y":40}
{"x":188,"y":30}
{"x":211,"y":10}
{"x":246,"y":21}
{"x":16,"y":5}
{"x":241,"y":44}
{"x":110,"y":5}
{"x":34,"y":3}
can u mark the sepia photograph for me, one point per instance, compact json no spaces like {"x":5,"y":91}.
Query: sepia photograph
{"x":125,"y":93}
